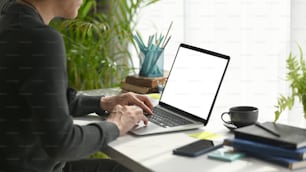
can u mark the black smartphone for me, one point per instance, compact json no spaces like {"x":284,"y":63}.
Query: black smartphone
{"x":196,"y":148}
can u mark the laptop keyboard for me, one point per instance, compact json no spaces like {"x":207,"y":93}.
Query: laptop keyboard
{"x":165,"y":119}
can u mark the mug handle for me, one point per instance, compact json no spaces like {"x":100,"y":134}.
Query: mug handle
{"x":228,"y":122}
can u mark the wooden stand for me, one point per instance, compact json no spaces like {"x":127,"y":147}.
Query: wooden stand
{"x":142,"y":85}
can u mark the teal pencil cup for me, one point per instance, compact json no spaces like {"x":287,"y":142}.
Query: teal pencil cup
{"x":152,"y":62}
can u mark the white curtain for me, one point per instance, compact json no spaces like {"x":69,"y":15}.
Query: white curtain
{"x":256,"y":34}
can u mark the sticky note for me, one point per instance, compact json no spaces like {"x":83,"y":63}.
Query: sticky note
{"x":225,"y":155}
{"x":205,"y":135}
{"x":154,"y":96}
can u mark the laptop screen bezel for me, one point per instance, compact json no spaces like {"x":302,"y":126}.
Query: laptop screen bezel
{"x":186,"y":114}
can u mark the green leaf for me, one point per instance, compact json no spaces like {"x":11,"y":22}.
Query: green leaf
{"x":87,"y":6}
{"x":97,"y":42}
{"x":277,"y":114}
{"x":297,"y":77}
{"x":99,"y":155}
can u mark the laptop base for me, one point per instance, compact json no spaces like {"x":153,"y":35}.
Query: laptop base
{"x":152,"y":129}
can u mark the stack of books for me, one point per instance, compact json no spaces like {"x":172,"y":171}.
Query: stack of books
{"x":286,"y":148}
{"x":143,"y":85}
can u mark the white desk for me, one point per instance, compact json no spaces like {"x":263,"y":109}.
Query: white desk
{"x":154,"y":153}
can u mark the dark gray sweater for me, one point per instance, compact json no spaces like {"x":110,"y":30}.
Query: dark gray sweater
{"x":4,"y":4}
{"x":36,"y":127}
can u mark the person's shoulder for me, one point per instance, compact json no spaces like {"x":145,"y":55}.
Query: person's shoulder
{"x":29,"y":23}
{"x":5,"y":4}
{"x":48,"y":43}
{"x":45,"y":32}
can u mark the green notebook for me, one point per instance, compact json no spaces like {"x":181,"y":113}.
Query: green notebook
{"x":225,"y":155}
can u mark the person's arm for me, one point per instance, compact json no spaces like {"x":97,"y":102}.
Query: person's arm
{"x":80,"y":104}
{"x":44,"y":88}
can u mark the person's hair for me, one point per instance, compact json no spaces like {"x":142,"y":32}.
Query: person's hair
{"x":4,"y":4}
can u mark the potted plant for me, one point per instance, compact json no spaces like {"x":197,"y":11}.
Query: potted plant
{"x":97,"y":42}
{"x":297,"y":77}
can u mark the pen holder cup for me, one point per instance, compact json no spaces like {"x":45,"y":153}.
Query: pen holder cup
{"x":152,"y":63}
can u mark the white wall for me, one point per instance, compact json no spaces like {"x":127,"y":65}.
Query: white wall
{"x":298,"y":36}
{"x":255,"y":33}
{"x":298,"y":23}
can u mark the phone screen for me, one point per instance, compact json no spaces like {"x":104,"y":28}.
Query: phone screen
{"x":196,"y":148}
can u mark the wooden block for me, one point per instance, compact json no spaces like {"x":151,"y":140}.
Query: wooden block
{"x":137,"y":89}
{"x":149,"y":82}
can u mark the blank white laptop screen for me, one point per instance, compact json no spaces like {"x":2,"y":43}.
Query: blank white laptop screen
{"x":194,"y":81}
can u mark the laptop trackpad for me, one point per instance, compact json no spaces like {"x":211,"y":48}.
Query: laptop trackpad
{"x":149,"y":126}
{"x":146,"y":129}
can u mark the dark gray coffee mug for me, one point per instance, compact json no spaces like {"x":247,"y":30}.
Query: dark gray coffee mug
{"x":241,"y":116}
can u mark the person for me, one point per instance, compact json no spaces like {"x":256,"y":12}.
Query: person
{"x":37,"y":106}
{"x":4,"y":4}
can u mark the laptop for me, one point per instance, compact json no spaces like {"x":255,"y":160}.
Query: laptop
{"x":190,"y":92}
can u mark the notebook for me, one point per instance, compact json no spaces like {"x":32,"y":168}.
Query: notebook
{"x":290,"y":137}
{"x":190,"y":92}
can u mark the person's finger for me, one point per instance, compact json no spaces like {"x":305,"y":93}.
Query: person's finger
{"x":144,"y":119}
{"x":146,"y":100}
{"x":144,"y":103}
{"x":140,"y":115}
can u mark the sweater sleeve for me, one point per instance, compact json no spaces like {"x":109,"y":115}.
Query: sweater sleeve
{"x":80,"y":104}
{"x":44,"y":89}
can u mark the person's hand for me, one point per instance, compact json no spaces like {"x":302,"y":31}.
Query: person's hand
{"x":126,"y":117}
{"x":142,"y":101}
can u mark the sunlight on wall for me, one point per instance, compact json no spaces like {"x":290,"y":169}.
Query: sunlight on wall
{"x":256,"y":34}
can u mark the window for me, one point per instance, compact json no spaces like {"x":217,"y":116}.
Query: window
{"x":256,"y":34}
